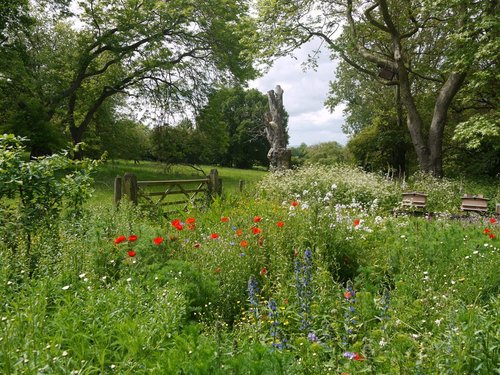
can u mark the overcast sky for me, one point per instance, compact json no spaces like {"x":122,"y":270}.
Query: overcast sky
{"x":304,"y":96}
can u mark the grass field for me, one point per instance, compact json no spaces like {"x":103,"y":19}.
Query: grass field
{"x":104,"y":177}
{"x":309,"y":272}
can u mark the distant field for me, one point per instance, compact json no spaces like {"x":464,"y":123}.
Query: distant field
{"x":106,"y":174}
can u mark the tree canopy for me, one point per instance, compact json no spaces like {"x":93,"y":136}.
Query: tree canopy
{"x":237,"y":116}
{"x":165,"y":53}
{"x":430,"y":50}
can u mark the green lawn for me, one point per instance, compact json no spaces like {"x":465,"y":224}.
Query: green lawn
{"x":151,"y":171}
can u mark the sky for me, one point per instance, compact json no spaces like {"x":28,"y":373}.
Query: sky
{"x":304,"y":95}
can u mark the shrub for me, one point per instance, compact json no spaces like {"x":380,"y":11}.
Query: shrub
{"x":338,"y":184}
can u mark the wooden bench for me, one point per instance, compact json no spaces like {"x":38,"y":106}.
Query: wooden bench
{"x":474,"y":203}
{"x":414,"y":199}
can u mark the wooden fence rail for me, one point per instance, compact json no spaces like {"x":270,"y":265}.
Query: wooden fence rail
{"x":191,"y":190}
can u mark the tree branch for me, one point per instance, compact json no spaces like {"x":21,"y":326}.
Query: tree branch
{"x":362,"y":50}
{"x":387,"y":18}
{"x":373,"y":21}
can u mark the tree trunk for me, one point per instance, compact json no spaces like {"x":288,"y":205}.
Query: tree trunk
{"x":430,"y":153}
{"x":77,"y":137}
{"x":443,"y":102}
{"x":413,"y":120}
{"x":279,"y":155}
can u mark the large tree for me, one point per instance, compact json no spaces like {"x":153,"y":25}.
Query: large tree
{"x":374,"y":120}
{"x":426,"y":48}
{"x":165,"y":52}
{"x":233,"y":122}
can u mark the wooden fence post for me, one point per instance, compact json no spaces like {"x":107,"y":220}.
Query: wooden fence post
{"x":214,"y":183}
{"x":118,"y":190}
{"x":130,"y":187}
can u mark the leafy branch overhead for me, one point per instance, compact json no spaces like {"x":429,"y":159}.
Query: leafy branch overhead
{"x":429,"y":48}
{"x":165,"y":52}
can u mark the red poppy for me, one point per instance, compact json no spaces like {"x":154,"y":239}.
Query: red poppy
{"x":358,"y":357}
{"x":158,"y":240}
{"x":347,"y":294}
{"x":486,"y":230}
{"x":256,"y":230}
{"x":244,"y":243}
{"x":492,"y":235}
{"x":132,"y":238}
{"x":179,"y":226}
{"x":224,"y":219}
{"x":175,"y":222}
{"x":238,"y":232}
{"x":120,"y":239}
{"x":256,"y":219}
{"x":131,"y":253}
{"x":214,"y":236}
{"x":217,"y":270}
{"x":280,"y":224}
{"x":493,"y":220}
{"x":190,"y":220}
{"x":197,"y":245}
{"x":294,"y":203}
{"x":356,"y":222}
{"x":263,"y":271}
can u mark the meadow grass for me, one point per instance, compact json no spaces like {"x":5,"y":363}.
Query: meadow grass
{"x":300,"y":275}
{"x":105,"y":175}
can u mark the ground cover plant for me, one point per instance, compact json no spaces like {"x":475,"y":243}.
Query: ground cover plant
{"x":310,"y":274}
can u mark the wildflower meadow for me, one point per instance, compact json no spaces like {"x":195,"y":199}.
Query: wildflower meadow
{"x":315,"y":271}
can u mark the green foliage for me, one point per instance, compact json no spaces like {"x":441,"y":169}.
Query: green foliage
{"x":232,"y":126}
{"x":179,"y":144}
{"x":293,"y":285}
{"x":478,"y":129}
{"x":166,"y":55}
{"x":328,"y":153}
{"x":34,"y":194}
{"x":432,"y":50}
{"x":338,"y":184}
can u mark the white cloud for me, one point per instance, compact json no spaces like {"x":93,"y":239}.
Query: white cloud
{"x":304,"y":95}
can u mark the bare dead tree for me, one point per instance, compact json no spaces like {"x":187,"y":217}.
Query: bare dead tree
{"x":279,"y":155}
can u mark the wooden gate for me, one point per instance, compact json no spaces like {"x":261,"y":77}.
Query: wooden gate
{"x":156,"y":193}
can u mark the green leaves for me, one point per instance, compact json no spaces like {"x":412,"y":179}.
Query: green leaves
{"x":478,"y":130}
{"x":34,"y":193}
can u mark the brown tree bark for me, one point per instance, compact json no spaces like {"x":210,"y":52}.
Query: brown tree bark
{"x":279,"y":155}
{"x":429,"y":151}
